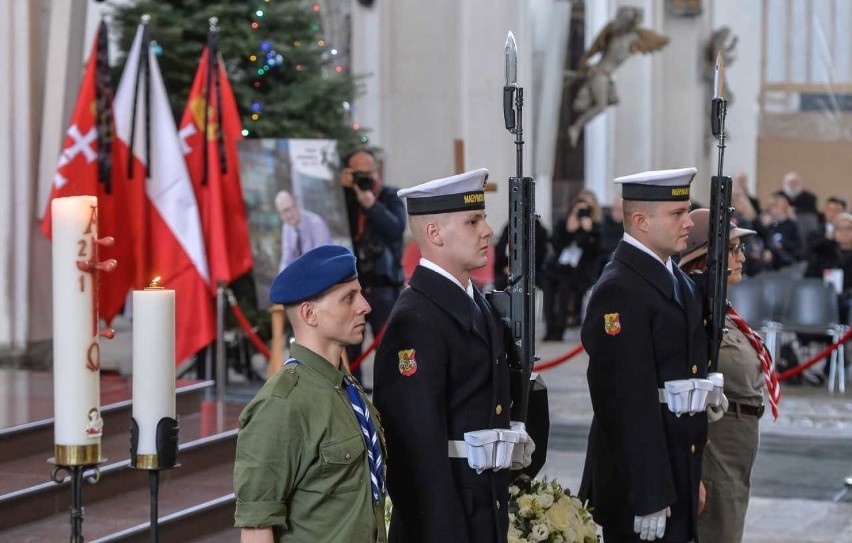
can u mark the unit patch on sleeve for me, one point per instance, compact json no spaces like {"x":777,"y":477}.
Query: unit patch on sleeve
{"x":612,"y":324}
{"x":407,"y":362}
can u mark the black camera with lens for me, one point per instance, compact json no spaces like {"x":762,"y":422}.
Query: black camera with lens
{"x":584,"y":212}
{"x":364,"y":181}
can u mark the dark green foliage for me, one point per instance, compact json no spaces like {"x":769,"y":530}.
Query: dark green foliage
{"x":294,"y":102}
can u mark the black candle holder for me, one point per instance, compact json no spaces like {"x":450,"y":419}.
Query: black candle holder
{"x":76,"y":461}
{"x":167,"y":438}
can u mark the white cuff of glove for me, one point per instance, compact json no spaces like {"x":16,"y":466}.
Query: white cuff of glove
{"x":522,"y":453}
{"x":653,"y":526}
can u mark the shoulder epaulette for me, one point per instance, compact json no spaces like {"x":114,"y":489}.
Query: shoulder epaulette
{"x":286,"y":380}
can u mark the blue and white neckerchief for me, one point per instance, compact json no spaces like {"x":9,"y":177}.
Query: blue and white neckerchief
{"x":371,"y":437}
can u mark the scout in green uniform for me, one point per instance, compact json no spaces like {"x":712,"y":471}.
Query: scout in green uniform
{"x":310,"y":454}
{"x":733,"y":437}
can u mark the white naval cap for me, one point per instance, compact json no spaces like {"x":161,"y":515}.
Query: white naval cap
{"x":460,"y":192}
{"x":657,"y":185}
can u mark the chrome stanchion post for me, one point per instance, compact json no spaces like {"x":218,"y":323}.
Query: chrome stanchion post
{"x":221,"y":368}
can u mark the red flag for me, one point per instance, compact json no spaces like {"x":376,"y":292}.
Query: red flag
{"x":77,"y":174}
{"x":169,"y":238}
{"x":217,"y":187}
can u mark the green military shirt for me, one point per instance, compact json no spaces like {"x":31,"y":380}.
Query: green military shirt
{"x":301,"y":466}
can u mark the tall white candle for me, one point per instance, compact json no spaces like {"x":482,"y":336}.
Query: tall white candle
{"x":153,"y":363}
{"x":76,"y":352}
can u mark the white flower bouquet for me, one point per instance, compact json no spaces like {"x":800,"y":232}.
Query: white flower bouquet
{"x":541,"y":510}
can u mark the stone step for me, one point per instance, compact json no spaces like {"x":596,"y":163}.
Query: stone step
{"x":29,"y":470}
{"x":37,"y":436}
{"x":120,"y":498}
{"x":210,"y":522}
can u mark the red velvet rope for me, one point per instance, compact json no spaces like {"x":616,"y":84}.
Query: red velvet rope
{"x":561,"y":360}
{"x":358,"y":361}
{"x":244,"y":324}
{"x":792,"y":372}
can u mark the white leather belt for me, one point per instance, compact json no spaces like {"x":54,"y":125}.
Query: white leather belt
{"x":692,"y":396}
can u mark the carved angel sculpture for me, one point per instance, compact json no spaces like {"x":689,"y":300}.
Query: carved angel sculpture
{"x":619,"y":39}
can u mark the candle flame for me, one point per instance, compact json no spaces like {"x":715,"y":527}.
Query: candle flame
{"x":155,"y":282}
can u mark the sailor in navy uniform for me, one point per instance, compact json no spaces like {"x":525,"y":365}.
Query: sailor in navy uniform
{"x":648,"y":367}
{"x":441,"y":379}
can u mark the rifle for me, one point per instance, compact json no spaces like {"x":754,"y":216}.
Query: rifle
{"x":516,"y":304}
{"x":716,"y":280}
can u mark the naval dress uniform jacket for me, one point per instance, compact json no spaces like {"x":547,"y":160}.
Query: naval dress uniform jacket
{"x":301,"y":465}
{"x":440,"y":372}
{"x":642,"y":458}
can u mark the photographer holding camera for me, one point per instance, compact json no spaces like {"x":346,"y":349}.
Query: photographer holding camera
{"x":573,"y":266}
{"x":377,"y":220}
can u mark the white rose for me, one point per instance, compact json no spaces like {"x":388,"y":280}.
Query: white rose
{"x":539,"y":532}
{"x":515,"y":532}
{"x":525,"y":505}
{"x":576,"y":524}
{"x":591,"y":531}
{"x":570,"y":535}
{"x":514,"y":491}
{"x":546,"y":500}
{"x":559,"y":516}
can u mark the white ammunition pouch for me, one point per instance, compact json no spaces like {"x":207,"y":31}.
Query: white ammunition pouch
{"x":693,"y":396}
{"x":495,"y":449}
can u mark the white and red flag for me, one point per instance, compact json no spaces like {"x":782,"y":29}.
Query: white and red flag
{"x":170,"y":243}
{"x":85,"y":168}
{"x":209,"y":131}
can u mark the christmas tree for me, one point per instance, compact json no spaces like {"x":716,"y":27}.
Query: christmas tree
{"x":284,"y":74}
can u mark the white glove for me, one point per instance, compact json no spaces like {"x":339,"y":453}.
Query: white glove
{"x":714,"y":413}
{"x":522,"y":454}
{"x":653,"y":526}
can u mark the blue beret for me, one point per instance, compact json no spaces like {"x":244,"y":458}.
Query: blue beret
{"x":312,"y":274}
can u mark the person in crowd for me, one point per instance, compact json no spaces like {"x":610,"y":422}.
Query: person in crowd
{"x":832,"y":259}
{"x":612,"y":229}
{"x":441,"y":377}
{"x":746,"y":206}
{"x":801,"y":199}
{"x":377,"y":224}
{"x":501,"y":256}
{"x":782,"y":244}
{"x":749,"y":375}
{"x":310,"y":452}
{"x":573,"y":267}
{"x":643,"y":330}
{"x":301,"y":229}
{"x":834,"y":206}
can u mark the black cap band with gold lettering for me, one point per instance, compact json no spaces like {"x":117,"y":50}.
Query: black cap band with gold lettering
{"x":654,"y":193}
{"x":446,"y":203}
